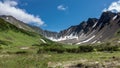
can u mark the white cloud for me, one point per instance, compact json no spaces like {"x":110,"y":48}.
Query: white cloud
{"x":114,"y":7}
{"x":9,"y":7}
{"x":62,"y":7}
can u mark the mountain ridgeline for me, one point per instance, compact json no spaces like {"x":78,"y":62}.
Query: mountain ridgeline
{"x":91,"y":31}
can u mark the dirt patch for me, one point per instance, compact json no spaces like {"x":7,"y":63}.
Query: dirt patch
{"x":24,"y":48}
{"x":64,"y":64}
{"x":6,"y":55}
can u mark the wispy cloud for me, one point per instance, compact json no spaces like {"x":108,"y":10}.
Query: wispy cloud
{"x":10,"y":7}
{"x":114,"y":7}
{"x":62,"y":7}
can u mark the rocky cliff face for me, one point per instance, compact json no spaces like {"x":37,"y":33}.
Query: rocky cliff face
{"x":91,"y":31}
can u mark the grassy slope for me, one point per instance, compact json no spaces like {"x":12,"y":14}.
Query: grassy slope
{"x":11,"y":35}
{"x":13,"y":39}
{"x":19,"y":39}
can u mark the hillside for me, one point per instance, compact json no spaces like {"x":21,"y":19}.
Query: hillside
{"x":11,"y":35}
{"x":91,"y":31}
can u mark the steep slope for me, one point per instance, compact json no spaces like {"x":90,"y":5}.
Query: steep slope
{"x":12,"y":35}
{"x":16,"y":22}
{"x":45,"y":33}
{"x":27,"y":27}
{"x":91,"y":31}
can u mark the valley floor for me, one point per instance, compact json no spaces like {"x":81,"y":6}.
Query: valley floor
{"x":64,"y":60}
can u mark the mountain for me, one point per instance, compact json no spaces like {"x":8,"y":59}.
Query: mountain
{"x":27,"y":27}
{"x":16,"y":22}
{"x":45,"y":33}
{"x":12,"y":35}
{"x":91,"y":31}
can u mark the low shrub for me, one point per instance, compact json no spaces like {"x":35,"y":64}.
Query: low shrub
{"x":41,"y":50}
{"x":72,"y":50}
{"x":21,"y":52}
{"x":55,"y":48}
{"x":58,"y":48}
{"x":107,"y":47}
{"x":1,"y":47}
{"x":86,"y":48}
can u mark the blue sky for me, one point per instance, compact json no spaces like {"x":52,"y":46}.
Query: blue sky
{"x":61,"y":14}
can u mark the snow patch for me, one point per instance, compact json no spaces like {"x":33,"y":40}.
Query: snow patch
{"x":101,"y":24}
{"x":7,"y":18}
{"x":69,"y":30}
{"x":52,"y":38}
{"x":64,"y":38}
{"x":43,"y":40}
{"x":99,"y":42}
{"x":82,"y":35}
{"x":87,"y":40}
{"x":94,"y":24}
{"x":94,"y":42}
{"x":114,"y":17}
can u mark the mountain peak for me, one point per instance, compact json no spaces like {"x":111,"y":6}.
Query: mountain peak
{"x":91,"y":31}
